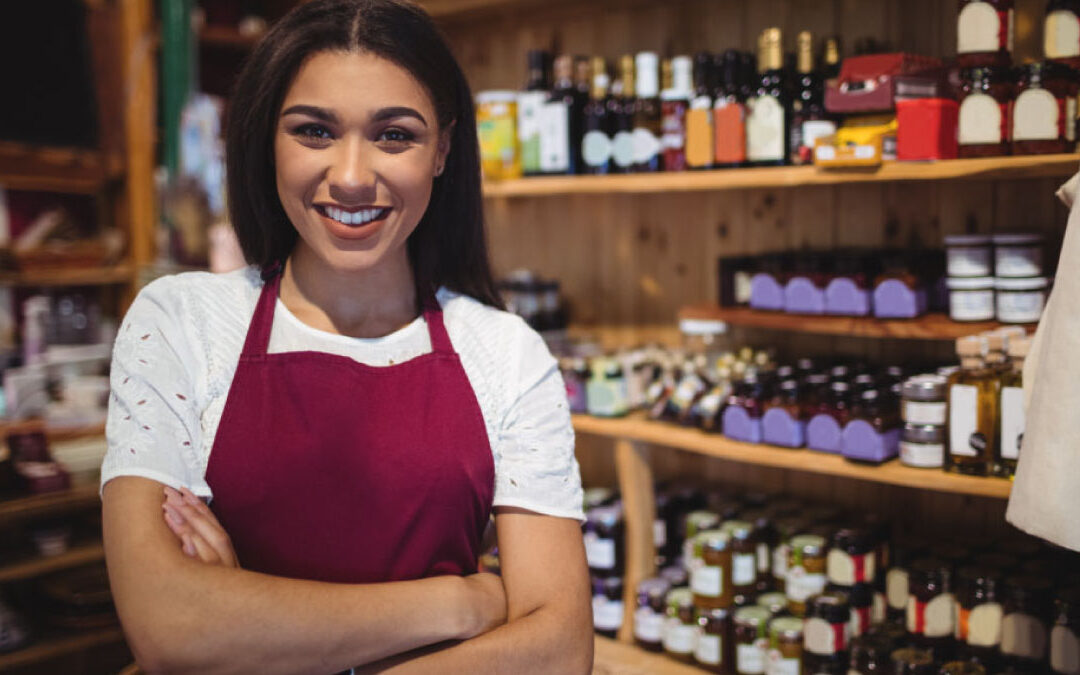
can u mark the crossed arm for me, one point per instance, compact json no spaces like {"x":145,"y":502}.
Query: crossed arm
{"x":184,"y":613}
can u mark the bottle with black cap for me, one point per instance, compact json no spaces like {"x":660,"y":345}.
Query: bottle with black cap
{"x":560,"y":139}
{"x":809,"y":121}
{"x":699,"y":122}
{"x":622,"y":106}
{"x":769,"y":111}
{"x":530,"y":104}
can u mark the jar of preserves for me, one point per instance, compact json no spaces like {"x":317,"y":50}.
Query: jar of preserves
{"x":984,"y":33}
{"x":607,"y":604}
{"x":806,"y":570}
{"x":962,"y":668}
{"x":1065,"y":636}
{"x":651,"y":613}
{"x":931,"y":605}
{"x":604,"y":541}
{"x":695,"y":523}
{"x":710,"y":577}
{"x":840,"y":402}
{"x":861,"y":599}
{"x":923,"y":401}
{"x":751,"y":642}
{"x":676,"y":575}
{"x":827,"y":629}
{"x":913,"y":661}
{"x":897,"y":579}
{"x":1044,"y":115}
{"x":870,"y":655}
{"x":985,"y":109}
{"x":1025,"y":627}
{"x":715,"y":649}
{"x":785,"y":646}
{"x":786,"y":528}
{"x":775,"y":602}
{"x":1061,"y":32}
{"x":680,"y":628}
{"x":923,"y":446}
{"x":744,"y":551}
{"x":978,"y":612}
{"x":852,"y":558}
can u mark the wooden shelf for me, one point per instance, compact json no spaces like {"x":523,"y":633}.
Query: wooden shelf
{"x":1029,"y":166}
{"x":928,"y":327}
{"x":33,"y":567}
{"x":50,"y":648}
{"x":617,"y":658}
{"x":78,"y":497}
{"x":49,"y":169}
{"x":636,"y":428}
{"x":86,"y":276}
{"x":227,"y":36}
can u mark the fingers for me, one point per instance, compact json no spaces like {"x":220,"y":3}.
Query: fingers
{"x":197,"y":527}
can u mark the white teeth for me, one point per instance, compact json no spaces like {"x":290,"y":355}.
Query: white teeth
{"x":360,"y":217}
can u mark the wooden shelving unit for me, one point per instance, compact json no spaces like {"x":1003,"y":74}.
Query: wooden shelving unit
{"x":53,"y":647}
{"x":997,"y":168}
{"x":123,"y":273}
{"x":37,"y":506}
{"x":49,"y":169}
{"x":616,"y":658}
{"x":77,"y":556}
{"x":223,"y":36}
{"x":928,"y":327}
{"x":637,"y":429}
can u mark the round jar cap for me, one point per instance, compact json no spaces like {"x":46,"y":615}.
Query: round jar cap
{"x":925,"y":388}
{"x":738,"y":529}
{"x":676,"y":575}
{"x":496,"y":96}
{"x":699,"y":521}
{"x":854,"y":540}
{"x":833,"y":607}
{"x":808,"y":544}
{"x":711,"y":540}
{"x":653,"y":588}
{"x":924,"y":433}
{"x":1018,"y":239}
{"x":967,"y":240}
{"x":970,"y":283}
{"x":704,"y":616}
{"x":679,"y":599}
{"x":752,"y":616}
{"x":1020,"y":284}
{"x":772,"y":602}
{"x":786,"y":626}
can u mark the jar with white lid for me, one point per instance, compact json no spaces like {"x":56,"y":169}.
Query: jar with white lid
{"x":1018,"y":255}
{"x":968,"y":255}
{"x":923,"y":446}
{"x":1020,"y":300}
{"x":971,"y":299}
{"x":923,"y":400}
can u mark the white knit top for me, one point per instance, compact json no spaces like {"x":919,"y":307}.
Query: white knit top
{"x":177,"y":351}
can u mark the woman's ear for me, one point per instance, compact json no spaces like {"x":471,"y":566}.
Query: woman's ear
{"x":443,"y":149}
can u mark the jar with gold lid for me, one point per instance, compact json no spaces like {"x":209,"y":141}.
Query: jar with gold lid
{"x":785,"y":646}
{"x":710,"y":577}
{"x":751,"y":641}
{"x":680,"y":628}
{"x":806,"y":570}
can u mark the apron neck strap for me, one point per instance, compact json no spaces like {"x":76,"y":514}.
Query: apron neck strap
{"x":433,"y":317}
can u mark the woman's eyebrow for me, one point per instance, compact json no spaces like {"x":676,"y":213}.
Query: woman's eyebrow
{"x":397,"y":111}
{"x":312,"y":111}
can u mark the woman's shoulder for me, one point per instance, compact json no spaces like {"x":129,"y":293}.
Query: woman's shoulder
{"x":494,"y":328}
{"x":180,"y":294}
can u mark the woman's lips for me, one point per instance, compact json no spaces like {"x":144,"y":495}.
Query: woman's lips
{"x":353,"y":232}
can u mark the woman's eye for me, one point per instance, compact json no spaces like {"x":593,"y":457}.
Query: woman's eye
{"x":396,"y":136}
{"x":314,"y":131}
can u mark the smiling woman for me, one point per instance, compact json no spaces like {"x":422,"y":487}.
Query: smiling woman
{"x":303,"y":452}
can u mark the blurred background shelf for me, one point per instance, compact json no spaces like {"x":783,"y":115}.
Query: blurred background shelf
{"x":75,"y":557}
{"x":71,"y":276}
{"x":73,"y":499}
{"x":616,"y":658}
{"x":222,"y":36}
{"x":54,"y":647}
{"x":49,"y":169}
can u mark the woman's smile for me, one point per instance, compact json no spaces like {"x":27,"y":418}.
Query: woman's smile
{"x":354,"y":224}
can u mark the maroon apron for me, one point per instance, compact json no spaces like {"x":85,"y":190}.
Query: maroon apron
{"x":328,"y":469}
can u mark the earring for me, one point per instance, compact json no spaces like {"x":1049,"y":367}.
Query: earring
{"x":438,"y":172}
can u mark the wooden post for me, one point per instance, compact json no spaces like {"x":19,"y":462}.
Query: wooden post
{"x":639,"y":513}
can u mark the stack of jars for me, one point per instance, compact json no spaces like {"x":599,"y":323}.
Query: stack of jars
{"x":996,"y":277}
{"x":604,"y":541}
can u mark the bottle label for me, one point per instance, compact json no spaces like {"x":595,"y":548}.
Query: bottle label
{"x":607,"y":614}
{"x":743,"y":569}
{"x":765,"y":129}
{"x":922,"y":455}
{"x":750,"y":659}
{"x":708,"y":650}
{"x":896,"y":588}
{"x":679,"y":638}
{"x":555,"y":138}
{"x":778,"y":665}
{"x":982,"y":28}
{"x":699,"y":134}
{"x":922,"y":412}
{"x":673,"y":126}
{"x":779,"y":561}
{"x":596,"y":148}
{"x":1038,"y":116}
{"x":971,"y":305}
{"x":800,"y":584}
{"x":1061,"y":34}
{"x":1012,"y":421}
{"x":848,"y":570}
{"x":729,"y":130}
{"x":600,"y":553}
{"x":497,"y":145}
{"x":979,"y":626}
{"x":823,"y":638}
{"x":646,"y":146}
{"x":1017,"y":307}
{"x":659,"y":530}
{"x":530,"y":112}
{"x":1023,"y":635}
{"x":983,"y":120}
{"x":932,"y":619}
{"x":762,"y":558}
{"x":648,"y":625}
{"x":707,"y":581}
{"x":963,"y":418}
{"x":1064,"y":651}
{"x":622,"y":149}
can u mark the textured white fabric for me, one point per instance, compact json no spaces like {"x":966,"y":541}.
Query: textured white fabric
{"x":177,"y":350}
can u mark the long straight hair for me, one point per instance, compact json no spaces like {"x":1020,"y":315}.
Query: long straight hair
{"x":448,"y":247}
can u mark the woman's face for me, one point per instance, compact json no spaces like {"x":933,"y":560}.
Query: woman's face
{"x":356,"y":150}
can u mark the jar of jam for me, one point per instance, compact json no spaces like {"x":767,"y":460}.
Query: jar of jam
{"x":650,"y":614}
{"x":604,"y":541}
{"x":1044,"y":115}
{"x":870,"y":655}
{"x":984,"y":33}
{"x":607,"y":603}
{"x":962,"y":668}
{"x":695,"y":523}
{"x":978,"y":612}
{"x":680,"y":628}
{"x":751,"y":642}
{"x":913,"y":661}
{"x":775,"y":602}
{"x":1061,"y":32}
{"x":715,"y":649}
{"x":744,"y":550}
{"x":710,"y":577}
{"x":861,"y":599}
{"x":985,"y":109}
{"x":1025,"y":627}
{"x":931,"y":605}
{"x":852,"y":558}
{"x":897,"y":579}
{"x":806,"y":570}
{"x":785,"y":646}
{"x":827,"y":629}
{"x":676,"y":575}
{"x":786,"y":528}
{"x":765,"y":537}
{"x":840,"y":402}
{"x":924,"y":400}
{"x":1065,"y":636}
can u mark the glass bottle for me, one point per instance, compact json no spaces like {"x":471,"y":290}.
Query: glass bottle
{"x":650,"y":614}
{"x":1044,"y":113}
{"x":809,"y":120}
{"x":1012,"y":409}
{"x":985,"y":123}
{"x":621,"y":107}
{"x":699,"y":118}
{"x":561,"y":131}
{"x":675,"y":102}
{"x":530,"y":110}
{"x":729,"y":112}
{"x":769,"y":111}
{"x":984,"y":33}
{"x":830,"y":70}
{"x":974,"y":392}
{"x":979,"y":614}
{"x":1061,"y":32}
{"x":596,"y":147}
{"x":647,"y":114}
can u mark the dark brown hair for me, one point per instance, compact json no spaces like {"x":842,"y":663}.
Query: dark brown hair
{"x":448,"y":247}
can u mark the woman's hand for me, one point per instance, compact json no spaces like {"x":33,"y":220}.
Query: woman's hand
{"x":201,"y":535}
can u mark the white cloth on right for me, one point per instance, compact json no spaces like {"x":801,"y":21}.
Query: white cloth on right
{"x":1045,"y":498}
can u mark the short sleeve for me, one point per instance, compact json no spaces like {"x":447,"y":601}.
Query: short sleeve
{"x":152,"y":427}
{"x":535,"y":465}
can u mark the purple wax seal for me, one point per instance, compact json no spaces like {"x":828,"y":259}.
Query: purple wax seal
{"x":802,"y":296}
{"x":844,"y":297}
{"x":823,"y":433}
{"x":894,"y":300}
{"x":778,"y":428}
{"x":863,"y":443}
{"x":739,"y":426}
{"x":766,"y":293}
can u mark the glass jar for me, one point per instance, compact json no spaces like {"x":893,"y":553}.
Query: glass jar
{"x":575,"y":372}
{"x":786,"y":528}
{"x":931,"y":606}
{"x":923,"y":446}
{"x":751,"y":643}
{"x":710,"y":577}
{"x":1018,"y":255}
{"x":968,"y":255}
{"x":923,"y":400}
{"x":870,"y":655}
{"x":897,"y":579}
{"x":852,"y":558}
{"x":978,"y":612}
{"x":1020,"y":300}
{"x":984,"y":33}
{"x":984,"y":123}
{"x":840,"y":402}
{"x":971,"y":298}
{"x":676,"y":575}
{"x":785,"y":646}
{"x":650,"y":614}
{"x":1061,"y":32}
{"x":604,"y":541}
{"x":715,"y":649}
{"x":827,"y":629}
{"x":1025,"y":626}
{"x":694,"y":524}
{"x":744,"y":550}
{"x":806,"y":570}
{"x":913,"y":661}
{"x":1065,"y":636}
{"x":607,"y":604}
{"x":1044,"y":114}
{"x":680,"y":628}
{"x":861,"y":599}
{"x":765,"y":537}
{"x":776,"y":603}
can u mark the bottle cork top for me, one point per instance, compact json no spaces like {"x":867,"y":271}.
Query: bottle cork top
{"x":995,"y":342}
{"x":971,"y":346}
{"x":1019,"y":347}
{"x":564,"y":67}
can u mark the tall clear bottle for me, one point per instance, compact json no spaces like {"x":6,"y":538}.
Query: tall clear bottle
{"x":809,"y":121}
{"x":560,"y":139}
{"x":647,"y":114}
{"x":699,"y":121}
{"x":974,"y":392}
{"x":1012,"y":409}
{"x":623,"y":103}
{"x":769,"y":111}
{"x":596,"y":144}
{"x":530,"y":110}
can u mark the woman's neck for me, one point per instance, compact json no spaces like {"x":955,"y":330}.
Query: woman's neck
{"x":368,"y":304}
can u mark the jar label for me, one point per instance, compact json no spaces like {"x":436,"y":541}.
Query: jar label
{"x":707,"y":650}
{"x":659,"y":533}
{"x":800,"y":584}
{"x":824,"y":638}
{"x":1023,"y":635}
{"x":896,"y":588}
{"x":607,"y":614}
{"x":729,"y":132}
{"x":673,"y":136}
{"x":555,"y":138}
{"x":708,"y":581}
{"x":1020,"y":306}
{"x":1012,"y":421}
{"x":963,"y":416}
{"x":932,"y":619}
{"x":811,"y":131}
{"x":648,"y":625}
{"x":1064,"y":651}
{"x":530,"y":110}
{"x":1061,"y":35}
{"x":750,"y":659}
{"x":600,"y":553}
{"x":981,"y":625}
{"x":646,"y":146}
{"x":982,"y":28}
{"x":699,"y":134}
{"x":877,"y":609}
{"x":778,"y":665}
{"x":679,"y":638}
{"x":762,"y":558}
{"x":925,"y":412}
{"x":982,"y":120}
{"x":622,"y":149}
{"x":1038,"y":116}
{"x":848,"y":570}
{"x":765,"y":126}
{"x":779,"y":561}
{"x":743,"y":569}
{"x":607,"y":398}
{"x":922,"y":455}
{"x":971,"y":305}
{"x":596,"y":148}
{"x":498,"y":144}
{"x":860,"y":621}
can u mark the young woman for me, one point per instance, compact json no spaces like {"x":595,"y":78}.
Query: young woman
{"x":354,"y":405}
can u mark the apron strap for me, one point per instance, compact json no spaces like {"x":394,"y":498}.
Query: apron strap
{"x":433,"y":317}
{"x":258,"y":335}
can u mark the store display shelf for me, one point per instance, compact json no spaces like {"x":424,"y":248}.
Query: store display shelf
{"x":78,"y":497}
{"x":636,"y":428}
{"x":1029,"y":166}
{"x":54,"y":647}
{"x":30,"y":568}
{"x":73,"y":276}
{"x":928,"y":327}
{"x":613,"y":657}
{"x":51,"y":169}
{"x":227,"y":36}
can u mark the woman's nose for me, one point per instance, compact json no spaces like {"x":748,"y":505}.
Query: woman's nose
{"x":351,"y":175}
